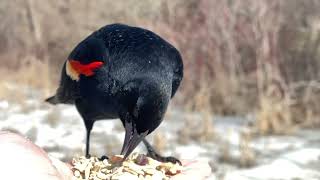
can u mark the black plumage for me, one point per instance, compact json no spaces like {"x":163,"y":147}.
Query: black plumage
{"x":141,"y":72}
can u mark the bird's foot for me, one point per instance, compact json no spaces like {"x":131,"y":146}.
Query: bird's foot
{"x":172,"y":160}
{"x":164,"y":158}
{"x":155,"y":155}
{"x":103,"y":157}
{"x":88,"y":156}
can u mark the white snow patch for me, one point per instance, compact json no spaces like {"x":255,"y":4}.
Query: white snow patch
{"x":190,"y":151}
{"x":304,"y":156}
{"x":279,"y":169}
{"x":273,"y":143}
{"x":69,"y":110}
{"x":56,"y":155}
{"x":4,"y":105}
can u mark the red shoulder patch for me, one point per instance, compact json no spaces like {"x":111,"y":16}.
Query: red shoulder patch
{"x":85,"y":69}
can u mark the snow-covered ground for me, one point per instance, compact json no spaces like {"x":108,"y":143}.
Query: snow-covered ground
{"x":60,"y":131}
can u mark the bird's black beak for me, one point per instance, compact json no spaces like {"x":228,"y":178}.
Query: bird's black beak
{"x":131,"y":140}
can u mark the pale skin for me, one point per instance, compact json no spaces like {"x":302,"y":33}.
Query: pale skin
{"x":22,"y":159}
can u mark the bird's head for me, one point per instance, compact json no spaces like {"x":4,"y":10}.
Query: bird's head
{"x":86,"y":58}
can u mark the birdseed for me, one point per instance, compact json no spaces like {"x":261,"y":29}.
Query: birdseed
{"x":136,"y":166}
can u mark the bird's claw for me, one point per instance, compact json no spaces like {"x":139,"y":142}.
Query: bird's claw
{"x":103,"y":157}
{"x":172,"y":160}
{"x":164,"y":159}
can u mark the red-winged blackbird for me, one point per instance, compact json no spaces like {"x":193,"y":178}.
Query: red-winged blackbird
{"x":125,"y":72}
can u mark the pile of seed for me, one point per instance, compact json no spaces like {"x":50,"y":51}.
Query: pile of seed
{"x":137,"y":166}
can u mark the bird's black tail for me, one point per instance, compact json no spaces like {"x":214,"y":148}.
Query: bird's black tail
{"x":52,"y":100}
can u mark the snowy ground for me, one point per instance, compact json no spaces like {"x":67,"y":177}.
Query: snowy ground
{"x":59,"y":130}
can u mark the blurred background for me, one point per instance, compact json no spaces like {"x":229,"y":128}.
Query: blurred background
{"x":249,"y":102}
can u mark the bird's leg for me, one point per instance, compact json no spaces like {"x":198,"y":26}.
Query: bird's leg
{"x":88,"y":124}
{"x":155,"y":155}
{"x":88,"y":131}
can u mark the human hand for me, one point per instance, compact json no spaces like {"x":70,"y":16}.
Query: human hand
{"x":21,"y":159}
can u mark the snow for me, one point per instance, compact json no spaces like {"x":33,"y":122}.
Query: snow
{"x":278,"y":169}
{"x":4,"y":105}
{"x":303,"y":156}
{"x":190,"y":152}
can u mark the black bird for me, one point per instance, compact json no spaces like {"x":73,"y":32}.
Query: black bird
{"x":125,"y":72}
